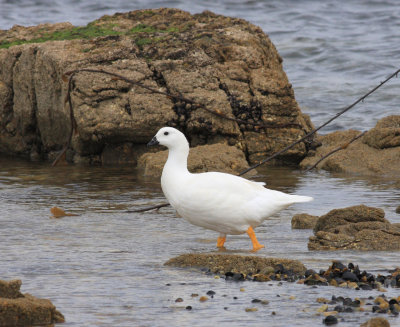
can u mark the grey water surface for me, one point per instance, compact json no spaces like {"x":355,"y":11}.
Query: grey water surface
{"x":105,"y":267}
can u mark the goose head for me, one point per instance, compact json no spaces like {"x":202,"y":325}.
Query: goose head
{"x":171,"y":138}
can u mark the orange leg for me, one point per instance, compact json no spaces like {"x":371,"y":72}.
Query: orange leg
{"x":221,"y":240}
{"x":256,"y":246}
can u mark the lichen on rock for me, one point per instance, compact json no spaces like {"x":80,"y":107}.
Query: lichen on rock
{"x":226,"y":64}
{"x":357,"y":227}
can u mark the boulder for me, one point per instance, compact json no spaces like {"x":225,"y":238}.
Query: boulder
{"x":304,"y":221}
{"x":222,"y":263}
{"x":17,"y":309}
{"x":226,"y":64}
{"x":379,"y":149}
{"x":215,"y":157}
{"x":358,"y":227}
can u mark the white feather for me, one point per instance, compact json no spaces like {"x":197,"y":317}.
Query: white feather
{"x":222,"y":202}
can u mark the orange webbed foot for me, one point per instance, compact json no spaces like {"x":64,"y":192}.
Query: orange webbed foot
{"x":221,"y":241}
{"x":256,"y":245}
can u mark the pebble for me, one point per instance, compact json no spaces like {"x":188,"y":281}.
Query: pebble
{"x":179,"y":299}
{"x":322,"y":300}
{"x":194,"y":295}
{"x":251,"y":309}
{"x":211,"y":293}
{"x":323,"y":308}
{"x":203,"y":298}
{"x":189,"y":307}
{"x":330,"y":313}
{"x":330,"y":320}
{"x":242,"y":289}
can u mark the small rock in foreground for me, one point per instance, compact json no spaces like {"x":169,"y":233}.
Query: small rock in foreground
{"x":17,"y":309}
{"x":238,"y":267}
{"x":376,"y":322}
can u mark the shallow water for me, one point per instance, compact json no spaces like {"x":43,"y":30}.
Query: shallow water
{"x":105,"y":267}
{"x":333,"y":52}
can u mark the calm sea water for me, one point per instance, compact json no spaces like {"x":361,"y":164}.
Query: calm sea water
{"x":105,"y":267}
{"x":333,"y":52}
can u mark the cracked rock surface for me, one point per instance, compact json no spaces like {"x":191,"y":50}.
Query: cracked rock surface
{"x":225,"y":63}
{"x":358,"y":227}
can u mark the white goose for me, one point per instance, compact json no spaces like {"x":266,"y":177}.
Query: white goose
{"x":221,"y":202}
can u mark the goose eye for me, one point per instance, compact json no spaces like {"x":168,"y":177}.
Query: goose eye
{"x":166,"y":133}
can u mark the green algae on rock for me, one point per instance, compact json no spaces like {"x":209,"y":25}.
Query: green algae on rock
{"x":223,"y":63}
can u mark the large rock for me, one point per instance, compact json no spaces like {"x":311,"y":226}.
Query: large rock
{"x":358,"y":227}
{"x":379,"y":149}
{"x":215,"y":157}
{"x":17,"y":309}
{"x":227,"y":64}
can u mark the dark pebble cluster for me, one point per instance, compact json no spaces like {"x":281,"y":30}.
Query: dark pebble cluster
{"x":380,"y":304}
{"x":351,"y":276}
{"x":337,"y":274}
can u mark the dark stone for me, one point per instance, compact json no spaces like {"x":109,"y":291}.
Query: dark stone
{"x":347,"y":301}
{"x":375,"y":308}
{"x":189,"y":307}
{"x":338,"y":265}
{"x":339,"y":308}
{"x":211,"y":293}
{"x":256,"y":301}
{"x":330,"y":320}
{"x":347,"y":275}
{"x":365,"y":287}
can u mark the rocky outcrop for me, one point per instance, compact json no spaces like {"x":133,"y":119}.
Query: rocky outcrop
{"x":226,"y":64}
{"x":222,"y":263}
{"x":376,"y":153}
{"x":17,"y":309}
{"x":304,"y":221}
{"x":358,"y":227}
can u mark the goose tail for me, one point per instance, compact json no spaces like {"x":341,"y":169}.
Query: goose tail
{"x":301,"y":198}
